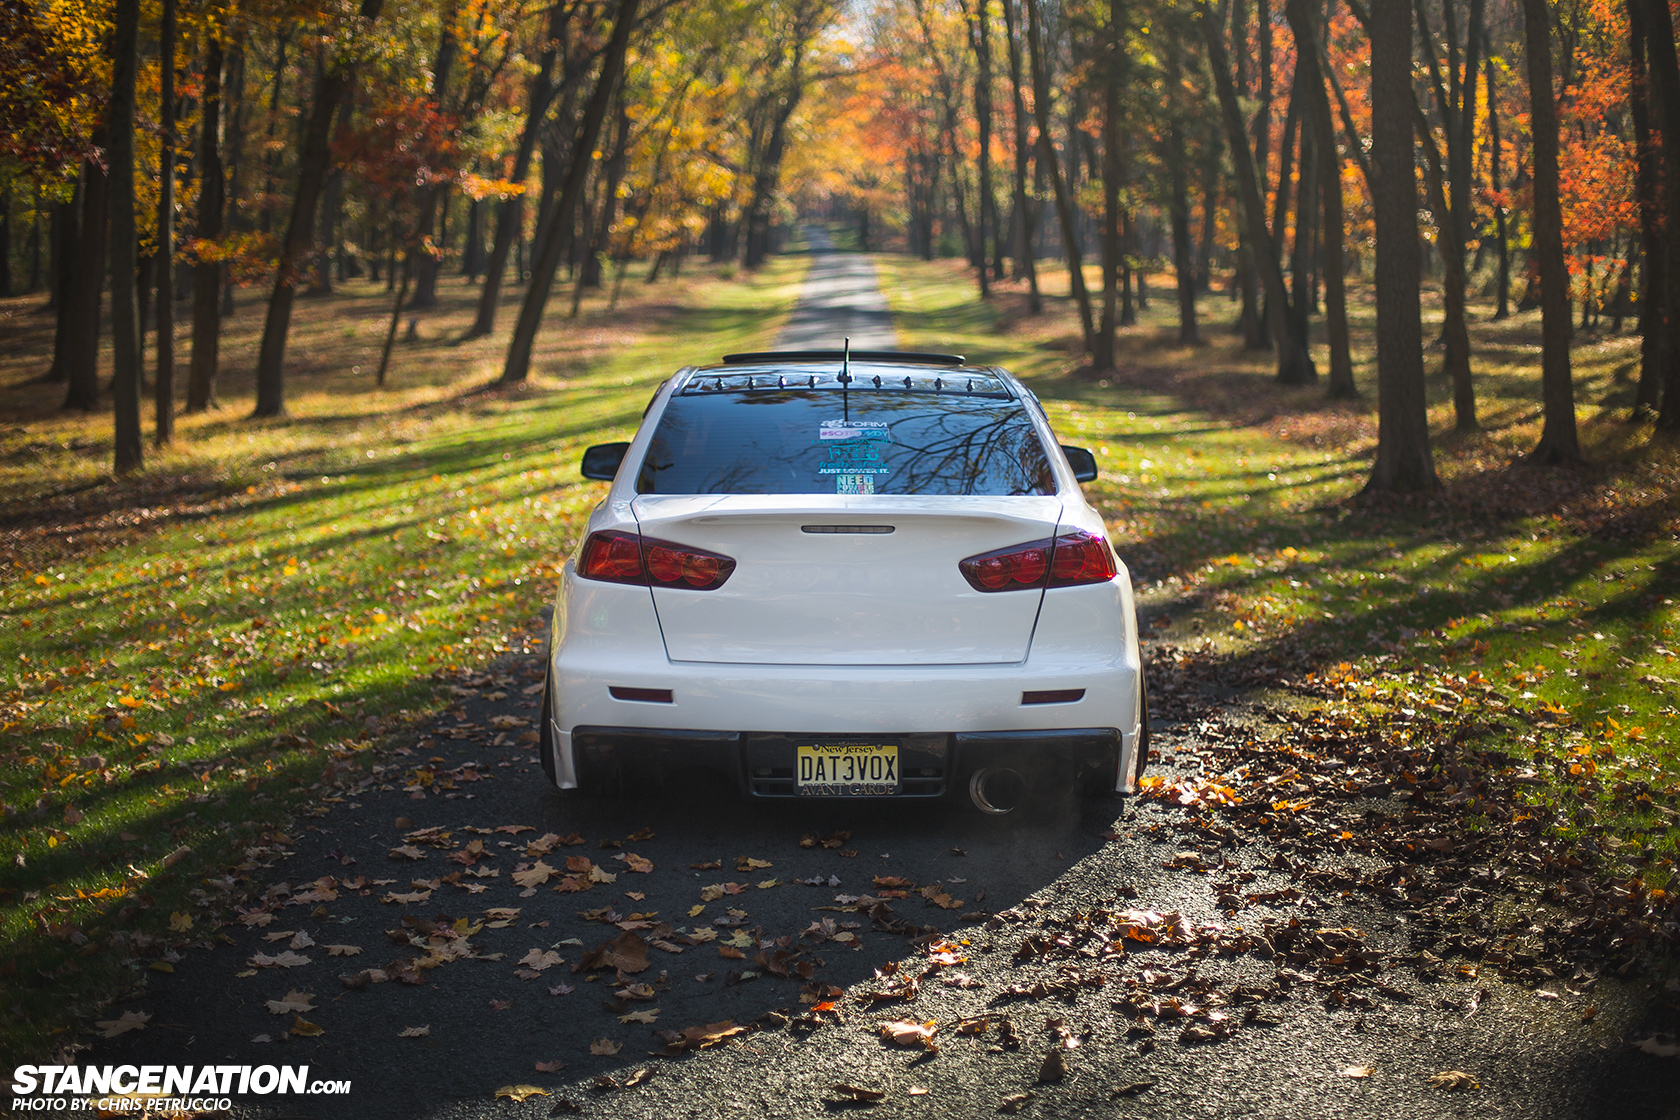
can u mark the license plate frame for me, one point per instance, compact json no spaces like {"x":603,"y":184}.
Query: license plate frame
{"x":847,"y":769}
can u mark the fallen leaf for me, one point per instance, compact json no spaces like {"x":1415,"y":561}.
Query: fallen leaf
{"x":293,"y":1002}
{"x":407,"y":851}
{"x":520,"y":1092}
{"x":550,"y":1067}
{"x":1359,"y":1071}
{"x":605,"y":1047}
{"x":130,"y":1021}
{"x":1654,"y":1045}
{"x":909,"y":1032}
{"x":1054,"y":1067}
{"x":535,"y":876}
{"x":539,"y":959}
{"x":288,"y":959}
{"x":649,"y":1015}
{"x":415,"y":1032}
{"x":858,"y":1092}
{"x":179,"y":922}
{"x":747,"y":863}
{"x":500,"y":1004}
{"x":344,"y":950}
{"x":304,"y":1028}
{"x":915,"y":1091}
{"x":1014,"y":1102}
{"x":1452,"y":1080}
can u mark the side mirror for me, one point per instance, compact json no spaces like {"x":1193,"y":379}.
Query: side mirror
{"x":602,"y":461}
{"x":1084,"y":464}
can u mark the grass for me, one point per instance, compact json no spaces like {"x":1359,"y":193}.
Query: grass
{"x":1533,"y":608}
{"x":195,"y":656}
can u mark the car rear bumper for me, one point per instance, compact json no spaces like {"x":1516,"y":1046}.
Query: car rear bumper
{"x":762,"y":764}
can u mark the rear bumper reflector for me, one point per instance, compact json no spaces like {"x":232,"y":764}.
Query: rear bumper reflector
{"x":645,"y":695}
{"x":1053,"y":696}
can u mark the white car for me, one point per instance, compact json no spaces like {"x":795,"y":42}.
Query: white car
{"x":845,"y":576}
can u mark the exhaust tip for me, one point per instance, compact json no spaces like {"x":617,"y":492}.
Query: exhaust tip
{"x":997,"y":790}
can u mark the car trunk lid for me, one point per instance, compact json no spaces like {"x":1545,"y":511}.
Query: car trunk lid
{"x":847,"y":580}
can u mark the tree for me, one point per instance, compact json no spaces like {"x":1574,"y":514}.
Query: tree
{"x":1049,"y":163}
{"x":1455,"y":100}
{"x":125,"y":313}
{"x":552,"y":240}
{"x":207,"y":268}
{"x":313,"y":153}
{"x":1303,"y":22}
{"x":1558,"y":442}
{"x":1664,"y":70}
{"x":1294,"y":361}
{"x":164,"y":398}
{"x":1404,"y":461}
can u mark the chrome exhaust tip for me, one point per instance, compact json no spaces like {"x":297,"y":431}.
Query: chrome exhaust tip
{"x":997,"y":790}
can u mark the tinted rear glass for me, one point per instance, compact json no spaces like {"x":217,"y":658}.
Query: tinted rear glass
{"x":820,"y":441}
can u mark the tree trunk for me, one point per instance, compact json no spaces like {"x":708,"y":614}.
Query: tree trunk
{"x":87,"y":284}
{"x":1664,"y":71}
{"x":767,"y":176}
{"x":980,"y":38}
{"x":1025,"y":265}
{"x":294,"y":251}
{"x":1048,"y":161}
{"x":207,"y":275}
{"x":1113,"y":78}
{"x":1648,"y":397}
{"x":1450,"y":193}
{"x":510,"y":214}
{"x":6,"y":241}
{"x":1213,"y":149}
{"x":1502,"y":305}
{"x":125,"y":319}
{"x":65,"y":279}
{"x":164,"y":384}
{"x":472,"y":257}
{"x":1178,"y":174}
{"x":1303,"y":21}
{"x":552,"y":244}
{"x":234,"y":145}
{"x":1558,"y":442}
{"x":1295,"y":365}
{"x":1404,"y":461}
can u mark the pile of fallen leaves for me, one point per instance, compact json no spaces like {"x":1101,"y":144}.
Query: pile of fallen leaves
{"x":1399,"y":813}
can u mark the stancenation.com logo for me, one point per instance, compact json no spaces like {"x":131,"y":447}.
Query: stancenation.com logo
{"x":45,"y":1088}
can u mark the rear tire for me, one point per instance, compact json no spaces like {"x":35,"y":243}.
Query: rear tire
{"x":545,"y":730}
{"x":1143,"y":731}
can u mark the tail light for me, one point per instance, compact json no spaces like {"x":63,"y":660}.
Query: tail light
{"x":616,"y":557}
{"x":1068,"y":561}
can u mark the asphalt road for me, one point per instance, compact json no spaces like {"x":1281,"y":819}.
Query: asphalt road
{"x":1531,"y":1056}
{"x":841,"y":299}
{"x":501,"y":983}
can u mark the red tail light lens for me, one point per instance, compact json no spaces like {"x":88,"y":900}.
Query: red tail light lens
{"x":626,"y":558}
{"x":1081,"y":558}
{"x":613,"y":557}
{"x":1069,"y":560}
{"x":1008,"y":569}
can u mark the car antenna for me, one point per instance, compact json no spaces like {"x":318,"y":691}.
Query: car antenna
{"x":845,"y":379}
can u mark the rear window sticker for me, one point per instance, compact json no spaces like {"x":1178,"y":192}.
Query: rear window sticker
{"x":854,"y":429}
{"x":854,"y":484}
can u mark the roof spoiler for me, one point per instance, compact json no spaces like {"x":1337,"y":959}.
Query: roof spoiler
{"x":903,"y":357}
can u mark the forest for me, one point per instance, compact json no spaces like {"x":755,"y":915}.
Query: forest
{"x":172,"y":154}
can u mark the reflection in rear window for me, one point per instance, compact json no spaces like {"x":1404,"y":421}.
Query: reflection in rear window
{"x":820,"y":441}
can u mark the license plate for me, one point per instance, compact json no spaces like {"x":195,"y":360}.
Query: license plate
{"x":847,"y":769}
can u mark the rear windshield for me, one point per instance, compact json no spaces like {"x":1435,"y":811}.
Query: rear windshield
{"x":820,"y":441}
